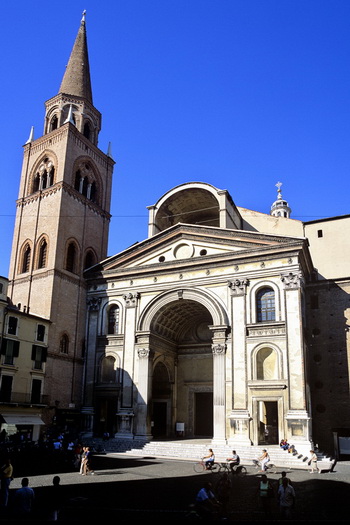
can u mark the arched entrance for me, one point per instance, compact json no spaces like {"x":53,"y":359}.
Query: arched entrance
{"x":182,"y":328}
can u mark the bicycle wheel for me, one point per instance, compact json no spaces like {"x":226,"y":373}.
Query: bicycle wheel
{"x":199,"y":467}
{"x":241,"y":471}
{"x":223,"y":468}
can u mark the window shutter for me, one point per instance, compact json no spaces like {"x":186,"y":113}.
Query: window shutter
{"x":3,"y":346}
{"x":43,"y":354}
{"x":33,"y":352}
{"x":15,"y":348}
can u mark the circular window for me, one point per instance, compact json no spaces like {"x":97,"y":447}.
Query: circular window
{"x":161,"y":258}
{"x":203,"y":252}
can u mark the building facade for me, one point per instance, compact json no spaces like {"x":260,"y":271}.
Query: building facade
{"x":22,"y":370}
{"x":209,"y":325}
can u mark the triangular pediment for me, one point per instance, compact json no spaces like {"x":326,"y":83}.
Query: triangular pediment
{"x":184,"y":242}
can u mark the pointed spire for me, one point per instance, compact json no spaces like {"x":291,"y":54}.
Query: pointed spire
{"x":31,"y":135}
{"x":76,"y":80}
{"x":70,"y":116}
{"x":109,"y":151}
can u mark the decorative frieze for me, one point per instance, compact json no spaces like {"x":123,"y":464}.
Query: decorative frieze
{"x":263,"y":331}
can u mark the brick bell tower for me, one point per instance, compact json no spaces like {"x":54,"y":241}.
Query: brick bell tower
{"x":61,"y":228}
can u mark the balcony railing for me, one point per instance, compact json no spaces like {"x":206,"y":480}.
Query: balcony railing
{"x":23,"y":399}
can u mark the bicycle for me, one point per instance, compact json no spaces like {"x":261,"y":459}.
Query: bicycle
{"x":201,"y":466}
{"x":268,"y":465}
{"x":240,"y":470}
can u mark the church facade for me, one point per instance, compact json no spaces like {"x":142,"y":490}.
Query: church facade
{"x":224,"y":323}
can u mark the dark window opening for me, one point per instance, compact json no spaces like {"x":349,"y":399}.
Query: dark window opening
{"x":87,"y":130}
{"x":26,"y":259}
{"x":12,"y":325}
{"x":36,"y":391}
{"x":40,"y":335}
{"x":42,"y":254}
{"x":319,"y":233}
{"x":71,"y":257}
{"x":39,"y":356}
{"x":113,"y":320}
{"x":10,"y":350}
{"x":54,"y":123}
{"x":64,"y":344}
{"x":6,"y":388}
{"x":89,"y":260}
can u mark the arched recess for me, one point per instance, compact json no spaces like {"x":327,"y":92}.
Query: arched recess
{"x":109,"y":369}
{"x":253,"y":295}
{"x":90,"y":258}
{"x":105,"y":318}
{"x":215,"y":308}
{"x":181,"y":326}
{"x":72,"y":256}
{"x":26,"y":255}
{"x":266,"y":363}
{"x":41,"y":252}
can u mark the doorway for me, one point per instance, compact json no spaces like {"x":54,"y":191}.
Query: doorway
{"x":203,"y":414}
{"x":159,"y":419}
{"x":268,"y":423}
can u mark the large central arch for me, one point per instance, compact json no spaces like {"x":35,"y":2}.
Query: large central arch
{"x":182,"y":327}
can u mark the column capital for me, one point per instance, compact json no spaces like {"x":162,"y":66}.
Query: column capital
{"x":218,"y":349}
{"x":93,"y":303}
{"x":238,"y":286}
{"x":292,"y":280}
{"x":131,"y":299}
{"x":143,"y":353}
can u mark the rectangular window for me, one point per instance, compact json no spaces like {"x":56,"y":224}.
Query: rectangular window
{"x":10,"y":350}
{"x":319,"y":233}
{"x":36,"y":391}
{"x":40,"y":333}
{"x":12,"y":325}
{"x":6,"y":388}
{"x":39,"y":354}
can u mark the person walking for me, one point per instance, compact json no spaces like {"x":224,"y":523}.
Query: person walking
{"x":265,"y":491}
{"x":286,"y":499}
{"x":24,"y":499}
{"x":6,"y":478}
{"x":87,"y":462}
{"x":313,"y":462}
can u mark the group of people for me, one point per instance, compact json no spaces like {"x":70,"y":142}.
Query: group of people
{"x":286,"y":446}
{"x":285,"y":495}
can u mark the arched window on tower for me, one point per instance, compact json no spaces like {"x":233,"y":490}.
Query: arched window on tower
{"x":54,"y":123}
{"x":71,"y":258}
{"x":87,"y":130}
{"x":85,"y":186}
{"x":42,"y":259}
{"x":36,"y":183}
{"x":93,"y":192}
{"x":265,"y":305}
{"x":113,"y":320}
{"x":44,"y":180}
{"x":64,"y":344}
{"x":89,"y":260}
{"x":26,"y":259}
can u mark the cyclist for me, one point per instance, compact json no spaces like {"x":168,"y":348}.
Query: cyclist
{"x":234,"y":460}
{"x":209,"y":459}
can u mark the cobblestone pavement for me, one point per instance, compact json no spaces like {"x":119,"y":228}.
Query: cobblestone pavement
{"x":126,"y":487}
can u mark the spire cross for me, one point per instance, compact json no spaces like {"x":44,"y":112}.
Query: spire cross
{"x":278,"y":185}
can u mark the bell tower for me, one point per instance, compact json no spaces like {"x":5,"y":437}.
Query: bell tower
{"x":62,"y":223}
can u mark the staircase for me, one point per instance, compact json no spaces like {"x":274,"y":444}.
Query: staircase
{"x":193,"y":450}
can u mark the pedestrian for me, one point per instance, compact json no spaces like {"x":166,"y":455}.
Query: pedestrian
{"x":284,"y":475}
{"x":82,"y":460}
{"x":87,"y":462}
{"x":54,"y":499}
{"x":6,"y":478}
{"x":286,"y":499}
{"x":207,"y":505}
{"x":24,"y":499}
{"x":313,"y":462}
{"x":265,"y":491}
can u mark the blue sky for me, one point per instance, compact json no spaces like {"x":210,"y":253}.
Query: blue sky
{"x":237,"y":93}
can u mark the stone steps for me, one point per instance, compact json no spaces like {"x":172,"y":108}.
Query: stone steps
{"x":196,"y":449}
